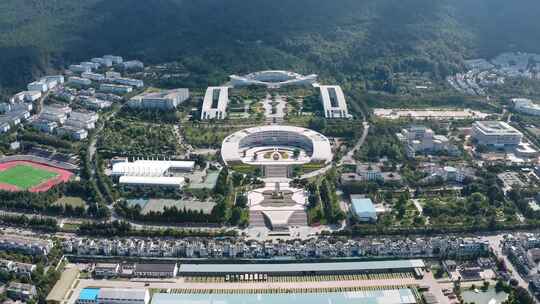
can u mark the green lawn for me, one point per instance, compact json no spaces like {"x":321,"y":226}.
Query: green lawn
{"x":25,"y":177}
{"x":71,"y":200}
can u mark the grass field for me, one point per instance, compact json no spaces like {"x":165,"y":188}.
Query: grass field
{"x":71,"y":200}
{"x":25,"y":177}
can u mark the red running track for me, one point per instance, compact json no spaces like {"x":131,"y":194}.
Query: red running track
{"x":63,"y":176}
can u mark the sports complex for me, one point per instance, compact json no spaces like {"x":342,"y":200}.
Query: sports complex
{"x":30,"y":174}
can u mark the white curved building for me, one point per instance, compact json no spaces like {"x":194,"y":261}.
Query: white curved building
{"x":275,"y":145}
{"x":273,"y":79}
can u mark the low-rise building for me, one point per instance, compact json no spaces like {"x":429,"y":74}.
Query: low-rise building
{"x":114,"y":59}
{"x":115,"y":88}
{"x":107,"y":270}
{"x":496,"y":134}
{"x":526,"y":106}
{"x":155,"y":270}
{"x":28,"y":96}
{"x":363,"y":209}
{"x":21,"y":269}
{"x":43,"y":125}
{"x":123,"y":296}
{"x":106,"y":62}
{"x":38,"y":86}
{"x":94,"y":103}
{"x":25,"y":244}
{"x":77,"y":68}
{"x":59,"y":118}
{"x":133,"y":64}
{"x":90,"y":64}
{"x":72,"y":132}
{"x":113,"y":75}
{"x":5,"y":126}
{"x":163,"y":100}
{"x":88,"y":296}
{"x":20,"y":291}
{"x":84,"y":120}
{"x":53,"y":81}
{"x":93,"y":76}
{"x":22,"y":106}
{"x":5,"y":107}
{"x":421,"y":139}
{"x":128,"y":81}
{"x":79,"y":81}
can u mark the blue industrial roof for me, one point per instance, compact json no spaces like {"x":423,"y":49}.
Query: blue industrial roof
{"x":301,"y":267}
{"x":385,"y":296}
{"x":89,"y":294}
{"x":362,"y":204}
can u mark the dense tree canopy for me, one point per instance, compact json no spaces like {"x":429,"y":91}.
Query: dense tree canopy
{"x":355,"y":40}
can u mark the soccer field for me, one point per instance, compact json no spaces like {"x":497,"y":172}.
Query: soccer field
{"x":25,"y":177}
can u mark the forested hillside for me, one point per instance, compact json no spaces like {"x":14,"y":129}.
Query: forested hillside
{"x":346,"y":39}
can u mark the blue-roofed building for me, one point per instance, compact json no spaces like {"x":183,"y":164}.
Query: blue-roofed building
{"x":363,"y":209}
{"x":88,"y":296}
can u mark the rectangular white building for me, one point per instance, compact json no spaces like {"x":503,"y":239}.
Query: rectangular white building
{"x":422,"y":139}
{"x":91,"y":65}
{"x":133,"y":64}
{"x":38,"y":86}
{"x":128,"y":81}
{"x":72,"y":132}
{"x":115,"y":88}
{"x":93,"y":76}
{"x":28,"y":96}
{"x":123,"y":296}
{"x":44,"y":125}
{"x":114,"y":59}
{"x":79,"y":81}
{"x":526,"y":106}
{"x":163,"y":100}
{"x":334,"y":102}
{"x":111,"y":74}
{"x":77,"y":68}
{"x":215,"y":103}
{"x":496,"y":134}
{"x":102,"y":62}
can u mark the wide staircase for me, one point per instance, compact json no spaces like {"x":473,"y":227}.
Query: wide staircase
{"x":256,"y":219}
{"x":298,"y":218}
{"x":276,"y":171}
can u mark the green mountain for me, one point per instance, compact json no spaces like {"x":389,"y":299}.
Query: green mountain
{"x":345,"y":39}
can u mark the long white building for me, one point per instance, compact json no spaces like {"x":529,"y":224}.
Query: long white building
{"x":163,"y":100}
{"x":334,"y":102}
{"x":273,"y":79}
{"x":496,"y":134}
{"x":152,"y":172}
{"x":215,"y":103}
{"x":526,"y":106}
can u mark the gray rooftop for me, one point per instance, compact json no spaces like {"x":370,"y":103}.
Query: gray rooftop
{"x":122,"y":293}
{"x":388,"y":296}
{"x":300,"y":267}
{"x":140,"y":267}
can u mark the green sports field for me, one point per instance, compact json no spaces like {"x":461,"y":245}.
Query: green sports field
{"x":25,"y":177}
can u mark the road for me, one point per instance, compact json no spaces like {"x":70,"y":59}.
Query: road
{"x":349,"y":157}
{"x":495,"y":245}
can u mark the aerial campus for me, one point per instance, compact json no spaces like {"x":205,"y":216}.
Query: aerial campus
{"x":272,"y":186}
